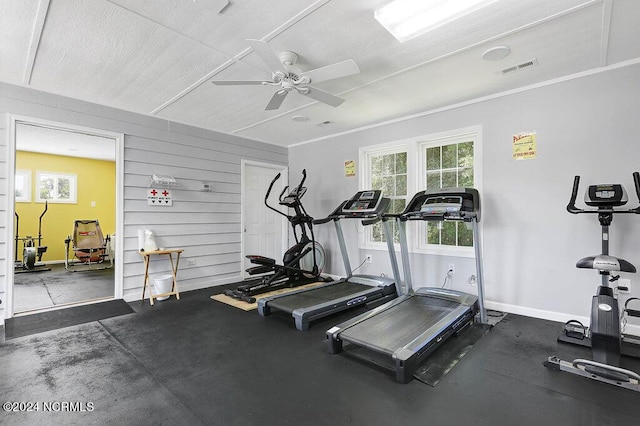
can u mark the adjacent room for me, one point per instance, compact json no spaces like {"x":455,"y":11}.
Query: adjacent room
{"x":319,"y":212}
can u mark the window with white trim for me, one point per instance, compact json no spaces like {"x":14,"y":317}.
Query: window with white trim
{"x":56,"y":187}
{"x":435,"y":161}
{"x":23,"y":186}
{"x":386,"y":171}
{"x":447,"y":163}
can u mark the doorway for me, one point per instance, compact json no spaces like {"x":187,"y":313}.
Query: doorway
{"x":62,"y":174}
{"x":264,"y":232}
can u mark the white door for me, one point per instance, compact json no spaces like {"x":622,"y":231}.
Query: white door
{"x":265,"y":231}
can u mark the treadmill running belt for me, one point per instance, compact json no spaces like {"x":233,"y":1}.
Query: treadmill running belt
{"x":317,"y":296}
{"x":400,"y":324}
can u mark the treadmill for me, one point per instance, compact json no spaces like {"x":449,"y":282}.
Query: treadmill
{"x":400,"y":334}
{"x":307,"y":305}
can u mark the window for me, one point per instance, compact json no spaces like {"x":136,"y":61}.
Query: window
{"x":387,"y":171}
{"x":450,"y":159}
{"x":23,"y":186}
{"x":56,"y":187}
{"x":448,"y":163}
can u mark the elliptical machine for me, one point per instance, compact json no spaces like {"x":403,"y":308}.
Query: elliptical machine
{"x":32,"y":248}
{"x":604,"y":335}
{"x":301,"y":264}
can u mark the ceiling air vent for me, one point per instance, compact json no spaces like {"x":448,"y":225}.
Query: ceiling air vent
{"x":523,"y":65}
{"x":323,"y":123}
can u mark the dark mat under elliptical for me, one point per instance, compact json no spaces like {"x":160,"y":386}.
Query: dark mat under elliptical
{"x":60,"y":318}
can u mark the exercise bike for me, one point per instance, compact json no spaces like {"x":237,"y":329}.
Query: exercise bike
{"x":301,"y":264}
{"x":32,"y":248}
{"x":604,"y":334}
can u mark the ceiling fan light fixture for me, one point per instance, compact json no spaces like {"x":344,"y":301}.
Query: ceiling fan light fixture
{"x":407,"y":19}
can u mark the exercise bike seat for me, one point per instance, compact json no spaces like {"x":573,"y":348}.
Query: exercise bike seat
{"x":604,"y":262}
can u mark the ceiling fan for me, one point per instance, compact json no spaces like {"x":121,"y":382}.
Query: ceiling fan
{"x":288,"y":78}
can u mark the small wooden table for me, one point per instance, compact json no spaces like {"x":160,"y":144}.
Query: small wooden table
{"x":146,"y":255}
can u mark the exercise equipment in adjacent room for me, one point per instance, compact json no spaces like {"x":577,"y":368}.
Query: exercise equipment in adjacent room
{"x":301,"y":264}
{"x":32,"y":248}
{"x":400,"y":334}
{"x":604,"y":334}
{"x":311,"y":304}
{"x":91,"y":249}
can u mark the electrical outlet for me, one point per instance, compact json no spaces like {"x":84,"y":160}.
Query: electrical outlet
{"x":368,"y":258}
{"x":191,"y":262}
{"x":472,"y":281}
{"x":452,"y":269}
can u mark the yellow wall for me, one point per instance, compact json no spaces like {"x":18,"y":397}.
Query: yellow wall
{"x":96,"y":183}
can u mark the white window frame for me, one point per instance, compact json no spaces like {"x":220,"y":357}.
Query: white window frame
{"x":448,"y":138}
{"x":365,"y":155}
{"x":415,"y":148}
{"x":25,"y":175}
{"x":73,"y":196}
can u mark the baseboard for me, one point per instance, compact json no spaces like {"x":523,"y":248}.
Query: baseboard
{"x":550,"y":315}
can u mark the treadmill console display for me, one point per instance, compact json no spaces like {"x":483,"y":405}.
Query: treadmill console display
{"x":444,"y":204}
{"x":364,"y":202}
{"x":441,"y":205}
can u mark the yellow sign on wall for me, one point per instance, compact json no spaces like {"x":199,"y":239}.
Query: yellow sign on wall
{"x":524,"y":146}
{"x":349,"y":168}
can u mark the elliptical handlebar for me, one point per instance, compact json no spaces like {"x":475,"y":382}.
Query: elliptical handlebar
{"x":571,"y":207}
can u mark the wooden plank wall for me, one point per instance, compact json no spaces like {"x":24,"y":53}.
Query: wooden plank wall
{"x":205,"y":224}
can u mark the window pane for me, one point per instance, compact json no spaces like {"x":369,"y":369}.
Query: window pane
{"x":449,"y":179}
{"x":433,"y":158}
{"x":388,"y":185}
{"x":64,"y":189}
{"x":465,"y":235}
{"x":398,"y":205}
{"x":449,"y":233}
{"x":46,"y":187}
{"x":376,"y":182}
{"x":465,"y":177}
{"x":376,"y":165}
{"x":401,"y":185}
{"x":376,"y":232}
{"x":433,"y":233}
{"x":388,"y":164}
{"x":465,"y":154}
{"x":401,"y":162}
{"x":449,"y":156}
{"x":433,"y":180}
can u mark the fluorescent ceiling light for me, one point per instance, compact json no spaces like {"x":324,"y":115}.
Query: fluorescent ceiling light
{"x":406,"y":19}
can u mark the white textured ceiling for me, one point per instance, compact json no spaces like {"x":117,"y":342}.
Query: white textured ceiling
{"x":158,"y":57}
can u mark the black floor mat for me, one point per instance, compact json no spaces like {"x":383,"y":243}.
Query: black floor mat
{"x":440,"y":362}
{"x":52,"y":320}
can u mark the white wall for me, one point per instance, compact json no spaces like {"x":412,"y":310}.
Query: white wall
{"x":585,"y":125}
{"x":206,"y":225}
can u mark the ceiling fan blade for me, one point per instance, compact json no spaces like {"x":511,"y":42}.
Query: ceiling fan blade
{"x":236,"y":82}
{"x":276,"y":100}
{"x":324,"y":97}
{"x":267,"y":55}
{"x":337,"y":70}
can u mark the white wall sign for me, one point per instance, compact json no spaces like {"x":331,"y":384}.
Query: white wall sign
{"x":159,"y":197}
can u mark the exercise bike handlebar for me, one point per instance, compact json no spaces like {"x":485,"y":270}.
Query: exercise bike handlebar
{"x":571,"y":207}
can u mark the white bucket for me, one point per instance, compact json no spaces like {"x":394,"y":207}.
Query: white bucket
{"x":163,"y":285}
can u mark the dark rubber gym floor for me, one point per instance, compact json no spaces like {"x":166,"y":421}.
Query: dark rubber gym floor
{"x":197,"y":361}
